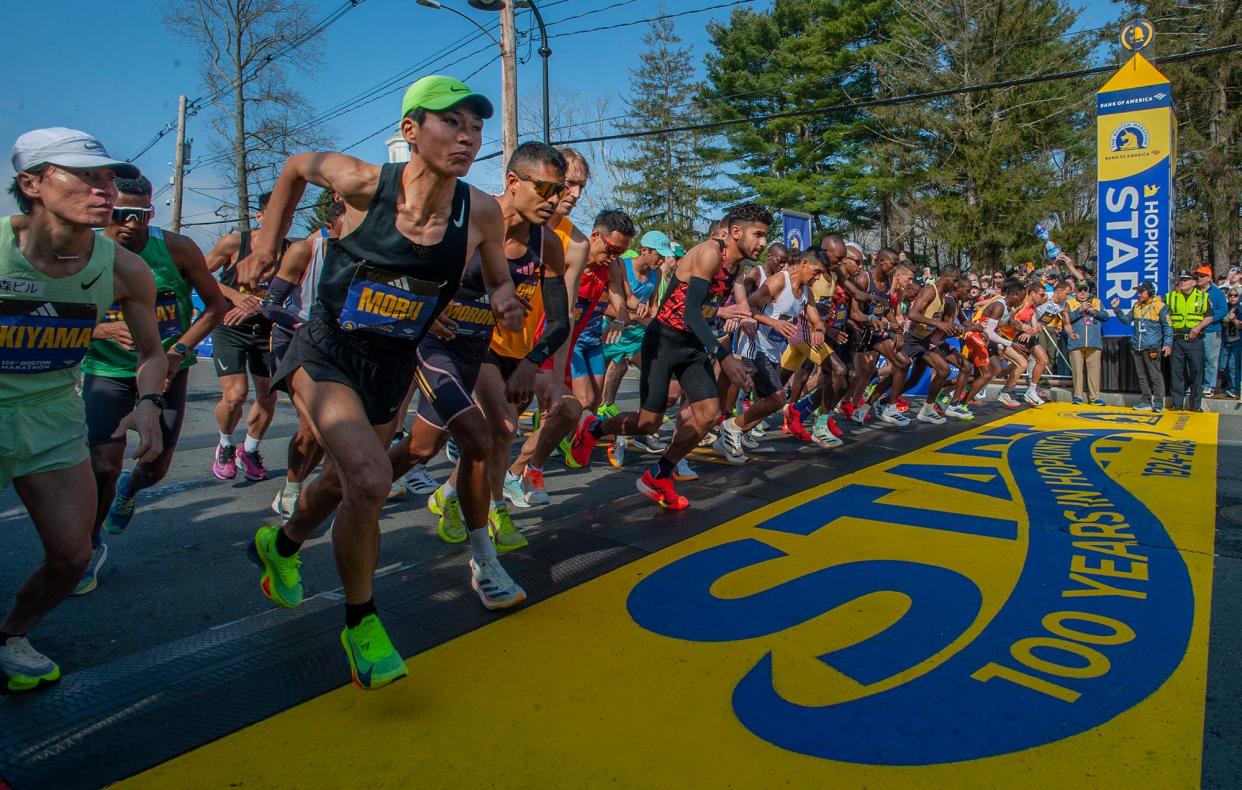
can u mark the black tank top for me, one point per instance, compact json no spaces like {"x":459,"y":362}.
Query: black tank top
{"x":256,"y":324}
{"x":377,"y":281}
{"x":470,"y":307}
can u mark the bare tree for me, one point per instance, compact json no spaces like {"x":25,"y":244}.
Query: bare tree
{"x":258,"y":118}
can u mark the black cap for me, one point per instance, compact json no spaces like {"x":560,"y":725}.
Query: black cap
{"x":1185,"y":275}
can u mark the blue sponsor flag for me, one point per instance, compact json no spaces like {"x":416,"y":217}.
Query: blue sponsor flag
{"x":797,"y":226}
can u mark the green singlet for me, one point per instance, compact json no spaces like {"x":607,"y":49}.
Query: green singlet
{"x":173,"y":309}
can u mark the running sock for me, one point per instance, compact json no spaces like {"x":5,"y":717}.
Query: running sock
{"x":448,"y":489}
{"x":354,"y":612}
{"x":596,"y":430}
{"x":284,"y":546}
{"x":226,"y":439}
{"x":664,"y":467}
{"x":497,"y":504}
{"x":481,"y":546}
{"x":510,"y":477}
{"x":6,"y":636}
{"x":533,"y":468}
{"x":251,"y":444}
{"x":808,"y":404}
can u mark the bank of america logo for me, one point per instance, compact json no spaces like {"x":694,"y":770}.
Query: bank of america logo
{"x":46,"y":310}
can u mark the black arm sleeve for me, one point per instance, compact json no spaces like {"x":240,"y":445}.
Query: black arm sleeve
{"x":696,"y":294}
{"x":273,"y":308}
{"x":556,"y":325}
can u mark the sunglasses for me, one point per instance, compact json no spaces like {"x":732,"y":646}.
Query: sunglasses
{"x":544,"y":189}
{"x":120,"y":216}
{"x":612,"y":249}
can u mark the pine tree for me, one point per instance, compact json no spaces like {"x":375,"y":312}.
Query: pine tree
{"x":990,"y":164}
{"x":667,"y":181}
{"x":797,"y":55}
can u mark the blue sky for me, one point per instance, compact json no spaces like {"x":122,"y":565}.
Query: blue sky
{"x":114,"y":71}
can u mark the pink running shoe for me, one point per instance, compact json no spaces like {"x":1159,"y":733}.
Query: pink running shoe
{"x":252,"y":465}
{"x":225,"y":465}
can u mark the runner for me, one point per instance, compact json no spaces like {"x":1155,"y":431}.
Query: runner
{"x":994,"y":316}
{"x":57,"y":279}
{"x":778,"y":300}
{"x":1026,"y":342}
{"x":583,"y":371}
{"x":110,"y":387}
{"x":409,"y":231}
{"x":642,"y":276}
{"x":966,"y":386}
{"x":679,"y":344}
{"x":241,"y":345}
{"x":871,"y":336}
{"x":927,"y":331}
{"x":287,"y":306}
{"x":509,"y":377}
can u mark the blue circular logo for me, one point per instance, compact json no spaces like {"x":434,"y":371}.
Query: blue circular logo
{"x":1129,"y":136}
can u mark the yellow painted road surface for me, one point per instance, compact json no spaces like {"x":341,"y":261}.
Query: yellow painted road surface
{"x":1025,"y":604}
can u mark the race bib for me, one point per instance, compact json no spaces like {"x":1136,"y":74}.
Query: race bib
{"x":389,"y":304}
{"x":474,"y":317}
{"x":38,"y":337}
{"x":167,"y":314}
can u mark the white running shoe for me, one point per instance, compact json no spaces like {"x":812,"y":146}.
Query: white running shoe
{"x":822,"y":436}
{"x":731,"y":454}
{"x":958,"y":412}
{"x":860,"y":414}
{"x":417,"y":481}
{"x":749,"y":440}
{"x":1007,"y":401}
{"x":928,"y":414}
{"x":760,"y":430}
{"x":1032,"y":396}
{"x":887,"y":413}
{"x":25,"y":668}
{"x":283,"y":506}
{"x":495,"y":587}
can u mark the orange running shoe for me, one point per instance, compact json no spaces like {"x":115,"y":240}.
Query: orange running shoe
{"x":661,"y":491}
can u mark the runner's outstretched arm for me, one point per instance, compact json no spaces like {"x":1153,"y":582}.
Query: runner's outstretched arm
{"x":353,"y":179}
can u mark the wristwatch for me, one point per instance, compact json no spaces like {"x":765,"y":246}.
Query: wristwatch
{"x":179,"y":348}
{"x":155,"y":398}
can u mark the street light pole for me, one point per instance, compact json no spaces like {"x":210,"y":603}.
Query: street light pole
{"x":441,"y":6}
{"x":544,"y":50}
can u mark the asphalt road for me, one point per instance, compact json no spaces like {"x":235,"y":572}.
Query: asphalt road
{"x":180,"y":570}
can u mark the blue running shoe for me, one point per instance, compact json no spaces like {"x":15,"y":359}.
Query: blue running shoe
{"x":122,"y":510}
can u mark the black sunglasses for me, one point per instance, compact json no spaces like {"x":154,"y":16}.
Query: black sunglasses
{"x":120,"y":216}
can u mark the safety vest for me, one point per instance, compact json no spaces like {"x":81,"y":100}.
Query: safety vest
{"x":1185,"y":312}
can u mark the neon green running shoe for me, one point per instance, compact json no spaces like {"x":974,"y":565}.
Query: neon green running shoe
{"x":566,"y":448}
{"x":506,"y":536}
{"x":451,"y":526}
{"x":607,"y":410}
{"x":373,"y":661}
{"x":281,"y":580}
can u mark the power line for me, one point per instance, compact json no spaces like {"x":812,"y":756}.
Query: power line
{"x":297,"y":210}
{"x":894,"y":100}
{"x":652,"y":19}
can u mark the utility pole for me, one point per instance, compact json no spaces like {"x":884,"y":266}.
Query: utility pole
{"x":178,"y":167}
{"x":508,"y":70}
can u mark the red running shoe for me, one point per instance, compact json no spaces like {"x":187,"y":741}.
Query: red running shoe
{"x":834,"y":429}
{"x":583,"y":442}
{"x":903,"y":405}
{"x":796,"y":428}
{"x":847,"y":409}
{"x":661,"y":491}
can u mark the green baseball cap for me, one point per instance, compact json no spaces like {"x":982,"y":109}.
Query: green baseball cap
{"x":438,"y":92}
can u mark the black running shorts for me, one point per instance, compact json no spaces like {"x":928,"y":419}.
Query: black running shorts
{"x":915,"y":347}
{"x":379,"y":369}
{"x":506,"y":365}
{"x":235,"y":351}
{"x":446,"y":376}
{"x":670,"y":353}
{"x":109,"y":399}
{"x":281,"y":338}
{"x":763,"y":376}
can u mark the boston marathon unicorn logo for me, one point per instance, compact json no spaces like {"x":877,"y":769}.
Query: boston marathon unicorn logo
{"x":1129,"y":136}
